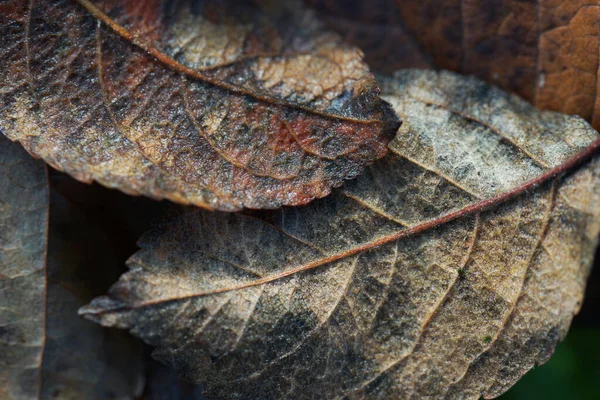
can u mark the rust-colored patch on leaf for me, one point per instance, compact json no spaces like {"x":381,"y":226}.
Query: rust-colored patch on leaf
{"x":146,"y":14}
{"x":186,"y":100}
{"x":499,"y":41}
{"x":436,"y":27}
{"x":569,"y":54}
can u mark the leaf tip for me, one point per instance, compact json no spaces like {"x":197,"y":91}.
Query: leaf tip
{"x":100,"y":310}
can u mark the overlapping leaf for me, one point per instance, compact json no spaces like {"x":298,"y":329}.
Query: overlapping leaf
{"x":547,"y":51}
{"x":448,"y":270}
{"x":46,"y":350}
{"x":220,"y":104}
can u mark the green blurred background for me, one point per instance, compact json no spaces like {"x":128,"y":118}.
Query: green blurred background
{"x":573,"y":372}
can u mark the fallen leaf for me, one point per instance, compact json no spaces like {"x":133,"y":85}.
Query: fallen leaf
{"x":220,"y":104}
{"x":547,"y":51}
{"x":448,"y":269}
{"x":23,"y":229}
{"x":46,"y":350}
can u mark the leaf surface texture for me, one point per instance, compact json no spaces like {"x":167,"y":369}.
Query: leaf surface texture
{"x":23,"y":230}
{"x":442,"y":272}
{"x":224,"y":105}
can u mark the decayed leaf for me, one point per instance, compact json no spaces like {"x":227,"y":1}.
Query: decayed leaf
{"x":46,"y":350}
{"x":220,"y":104}
{"x":548,"y":51}
{"x":23,"y":228}
{"x":447,"y":270}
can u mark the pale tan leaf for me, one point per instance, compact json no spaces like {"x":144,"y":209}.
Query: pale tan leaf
{"x":447,"y":270}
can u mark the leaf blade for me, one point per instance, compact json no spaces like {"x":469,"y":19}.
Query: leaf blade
{"x":46,"y":350}
{"x":547,"y":54}
{"x":175,"y":102}
{"x":404,"y":290}
{"x":23,"y":223}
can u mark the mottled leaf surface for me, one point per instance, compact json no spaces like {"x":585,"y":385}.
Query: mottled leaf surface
{"x":222,"y":104}
{"x":447,"y":270}
{"x":548,"y":51}
{"x":23,"y":230}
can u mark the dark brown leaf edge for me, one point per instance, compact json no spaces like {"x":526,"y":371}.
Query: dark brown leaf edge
{"x":447,"y":270}
{"x":220,"y":104}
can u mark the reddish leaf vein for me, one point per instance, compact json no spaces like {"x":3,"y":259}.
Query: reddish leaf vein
{"x":471,"y":209}
{"x":177,"y":66}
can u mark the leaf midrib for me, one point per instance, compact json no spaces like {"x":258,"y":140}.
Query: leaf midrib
{"x":477,"y":207}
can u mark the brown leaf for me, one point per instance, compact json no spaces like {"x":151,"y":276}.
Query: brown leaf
{"x":547,"y":51}
{"x":220,"y":104}
{"x":46,"y":350}
{"x":448,"y":269}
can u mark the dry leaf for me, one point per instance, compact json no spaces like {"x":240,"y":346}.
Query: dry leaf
{"x":220,"y":104}
{"x":46,"y":350}
{"x":547,"y":51}
{"x":23,"y":228}
{"x":448,"y":269}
